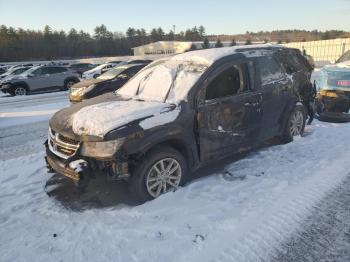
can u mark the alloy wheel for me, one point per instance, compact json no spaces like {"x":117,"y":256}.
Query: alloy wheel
{"x":163,"y":176}
{"x":296,"y":123}
{"x":20,"y":91}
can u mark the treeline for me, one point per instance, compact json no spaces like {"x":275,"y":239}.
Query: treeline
{"x":48,"y":44}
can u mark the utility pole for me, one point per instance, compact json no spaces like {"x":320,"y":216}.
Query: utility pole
{"x":174,"y":27}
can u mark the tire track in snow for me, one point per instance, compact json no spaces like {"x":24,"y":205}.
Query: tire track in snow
{"x":325,"y":233}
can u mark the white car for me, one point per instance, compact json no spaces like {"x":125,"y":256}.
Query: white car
{"x":98,"y":70}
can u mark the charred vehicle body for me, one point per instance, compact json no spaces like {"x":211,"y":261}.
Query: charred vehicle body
{"x":107,"y":82}
{"x":333,"y":97}
{"x":181,"y":113}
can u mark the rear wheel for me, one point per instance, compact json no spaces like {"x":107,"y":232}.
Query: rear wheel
{"x":295,"y":125}
{"x":19,"y":91}
{"x":162,"y":169}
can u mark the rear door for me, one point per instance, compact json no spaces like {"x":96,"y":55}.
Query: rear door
{"x":276,"y":91}
{"x":230,"y":115}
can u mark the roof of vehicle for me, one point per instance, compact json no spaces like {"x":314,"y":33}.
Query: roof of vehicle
{"x":209,"y":56}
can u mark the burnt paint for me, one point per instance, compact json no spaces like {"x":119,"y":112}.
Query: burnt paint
{"x":196,"y":129}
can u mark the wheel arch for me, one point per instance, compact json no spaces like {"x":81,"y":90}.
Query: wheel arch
{"x":176,"y":143}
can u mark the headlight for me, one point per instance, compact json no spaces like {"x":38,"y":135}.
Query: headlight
{"x":101,"y":149}
{"x":81,"y":90}
{"x":328,"y":93}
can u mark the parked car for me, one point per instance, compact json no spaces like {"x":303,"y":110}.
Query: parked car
{"x":179,"y":114}
{"x":80,"y":68}
{"x":107,"y":82}
{"x":14,"y":71}
{"x":333,"y":97}
{"x":2,"y":70}
{"x":98,"y":70}
{"x":40,"y":78}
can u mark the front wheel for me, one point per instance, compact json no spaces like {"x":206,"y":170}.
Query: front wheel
{"x":162,"y":169}
{"x":295,"y":125}
{"x":19,"y":91}
{"x":68,"y":84}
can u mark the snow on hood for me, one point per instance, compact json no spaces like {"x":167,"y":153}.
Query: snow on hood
{"x":99,"y":119}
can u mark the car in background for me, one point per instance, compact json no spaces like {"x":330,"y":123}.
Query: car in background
{"x":14,"y":71}
{"x":179,"y":114}
{"x":80,"y":68}
{"x":333,"y":96}
{"x":40,"y":78}
{"x":115,"y":62}
{"x":107,"y":82}
{"x":9,"y":75}
{"x":98,"y":70}
{"x":3,"y":69}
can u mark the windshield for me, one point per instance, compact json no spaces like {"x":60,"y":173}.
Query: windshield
{"x":31,"y":70}
{"x":20,"y":70}
{"x":163,"y":81}
{"x":114,"y":72}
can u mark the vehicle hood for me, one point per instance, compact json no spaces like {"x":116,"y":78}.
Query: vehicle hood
{"x":9,"y":78}
{"x":340,"y":67}
{"x":96,"y":117}
{"x":88,"y":82}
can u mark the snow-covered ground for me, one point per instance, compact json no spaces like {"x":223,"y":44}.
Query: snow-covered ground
{"x":30,"y":109}
{"x":242,"y":209}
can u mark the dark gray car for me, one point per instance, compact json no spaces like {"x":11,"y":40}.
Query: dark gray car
{"x":41,"y":78}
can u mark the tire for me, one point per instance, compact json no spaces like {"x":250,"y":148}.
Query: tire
{"x":96,"y":75}
{"x":19,"y":91}
{"x":68,"y":84}
{"x":146,"y":183}
{"x":295,"y":125}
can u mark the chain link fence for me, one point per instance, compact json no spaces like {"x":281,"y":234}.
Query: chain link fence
{"x":323,"y":50}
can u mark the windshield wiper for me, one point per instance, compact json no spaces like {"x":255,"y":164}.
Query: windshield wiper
{"x":143,"y":79}
{"x":178,"y":68}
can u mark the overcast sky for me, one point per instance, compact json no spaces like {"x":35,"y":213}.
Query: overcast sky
{"x":217,"y":16}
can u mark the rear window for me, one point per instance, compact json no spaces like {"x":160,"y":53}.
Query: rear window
{"x":293,"y":61}
{"x":270,"y":70}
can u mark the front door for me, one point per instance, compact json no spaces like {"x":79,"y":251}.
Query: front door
{"x":39,"y":79}
{"x":230,"y":115}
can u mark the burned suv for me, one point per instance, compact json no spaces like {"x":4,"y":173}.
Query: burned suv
{"x":179,"y":114}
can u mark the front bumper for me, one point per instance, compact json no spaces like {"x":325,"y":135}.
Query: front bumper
{"x":113,"y":169}
{"x":5,"y":88}
{"x":334,"y":109}
{"x":61,"y":166}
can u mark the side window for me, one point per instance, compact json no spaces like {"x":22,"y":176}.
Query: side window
{"x":230,"y":82}
{"x":270,"y":70}
{"x":41,"y":71}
